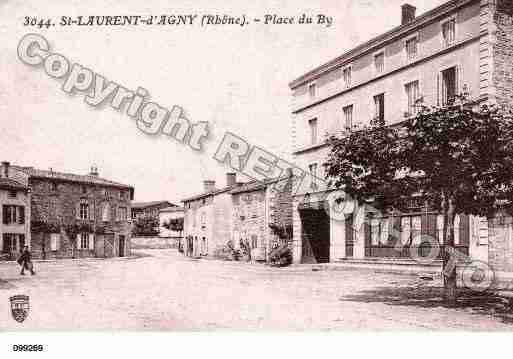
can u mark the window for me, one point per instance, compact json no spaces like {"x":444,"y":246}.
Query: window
{"x":457,"y":221}
{"x":482,"y":230}
{"x":55,"y":241}
{"x":440,"y":228}
{"x":84,"y":189}
{"x":410,"y":229}
{"x":254,"y":241}
{"x":379,"y":62}
{"x":13,"y":242}
{"x":312,"y":90}
{"x":55,"y":186}
{"x":84,"y":210}
{"x":346,"y":75}
{"x":412,"y":48}
{"x":13,"y":214}
{"x":12,"y":194}
{"x":348,"y":118}
{"x":313,"y":173}
{"x":412,"y":93}
{"x":313,"y":131}
{"x":84,"y":240}
{"x":122,"y":214}
{"x":449,"y":86}
{"x":379,"y":107}
{"x":449,"y":32}
{"x":106,"y":212}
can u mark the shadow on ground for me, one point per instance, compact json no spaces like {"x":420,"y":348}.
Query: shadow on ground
{"x":6,"y":285}
{"x":432,"y":297}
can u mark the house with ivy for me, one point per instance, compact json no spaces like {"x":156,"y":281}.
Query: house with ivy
{"x":76,"y":216}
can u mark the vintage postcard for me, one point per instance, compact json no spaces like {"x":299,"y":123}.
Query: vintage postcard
{"x":173,"y":166}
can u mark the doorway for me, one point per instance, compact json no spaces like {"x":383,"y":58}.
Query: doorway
{"x":121,"y":246}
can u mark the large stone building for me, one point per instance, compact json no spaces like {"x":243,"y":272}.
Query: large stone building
{"x":460,"y":46}
{"x":15,"y":214}
{"x":75,"y":216}
{"x":258,"y":213}
{"x":262,"y":216}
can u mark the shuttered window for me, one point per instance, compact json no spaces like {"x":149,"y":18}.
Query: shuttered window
{"x":55,"y":241}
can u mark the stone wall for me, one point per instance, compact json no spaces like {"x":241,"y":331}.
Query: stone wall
{"x":56,"y":203}
{"x":503,"y":52}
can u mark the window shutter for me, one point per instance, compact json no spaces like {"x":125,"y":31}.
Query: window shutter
{"x":483,"y":231}
{"x":91,"y":212}
{"x":21,"y":218}
{"x":91,"y":241}
{"x":5,"y":215}
{"x":457,"y":76}
{"x":438,"y":88}
{"x":77,"y":209}
{"x":22,"y":241}
{"x":464,"y":230}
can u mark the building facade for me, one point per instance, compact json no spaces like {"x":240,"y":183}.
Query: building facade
{"x":262,"y":216}
{"x":76,"y":216}
{"x":207,"y":218}
{"x":15,"y":214}
{"x":462,"y":46}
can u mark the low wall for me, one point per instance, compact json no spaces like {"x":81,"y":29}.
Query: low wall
{"x":154,"y":242}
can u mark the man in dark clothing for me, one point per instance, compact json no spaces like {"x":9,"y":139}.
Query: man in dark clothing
{"x":25,"y":261}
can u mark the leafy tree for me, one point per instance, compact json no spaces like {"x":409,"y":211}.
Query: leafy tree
{"x":457,"y":158}
{"x":174,"y":224}
{"x":146,"y":226}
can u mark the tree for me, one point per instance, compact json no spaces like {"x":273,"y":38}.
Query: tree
{"x":457,"y":158}
{"x":146,"y":226}
{"x":174,"y":224}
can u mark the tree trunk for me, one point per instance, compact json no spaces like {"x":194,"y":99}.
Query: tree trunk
{"x":449,"y":265}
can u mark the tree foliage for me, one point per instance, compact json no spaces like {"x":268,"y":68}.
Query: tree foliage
{"x":146,"y":226}
{"x":457,"y":159}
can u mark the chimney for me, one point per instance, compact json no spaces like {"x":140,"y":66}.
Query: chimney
{"x":209,"y":186}
{"x":94,"y":171}
{"x":5,"y":169}
{"x":407,"y":13}
{"x":231,"y":179}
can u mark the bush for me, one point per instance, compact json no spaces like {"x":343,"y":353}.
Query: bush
{"x":227,"y":252}
{"x":281,"y":256}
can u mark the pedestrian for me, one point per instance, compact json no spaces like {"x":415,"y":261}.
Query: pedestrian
{"x":25,"y":261}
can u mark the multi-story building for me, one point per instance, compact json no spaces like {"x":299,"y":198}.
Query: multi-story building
{"x":15,"y":214}
{"x":460,"y":46}
{"x":75,"y":216}
{"x":207,"y":218}
{"x":262,"y":216}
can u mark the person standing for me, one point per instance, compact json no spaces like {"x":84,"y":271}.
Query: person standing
{"x":25,"y":261}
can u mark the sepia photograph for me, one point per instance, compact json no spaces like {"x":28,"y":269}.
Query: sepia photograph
{"x":273,"y":166}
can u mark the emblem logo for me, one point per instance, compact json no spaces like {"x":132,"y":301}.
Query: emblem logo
{"x":20,"y":307}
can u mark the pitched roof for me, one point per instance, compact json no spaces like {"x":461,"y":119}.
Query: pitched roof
{"x":379,"y":41}
{"x":207,"y":194}
{"x":7,"y":183}
{"x":70,"y":177}
{"x":172,"y":209}
{"x":142,"y":205}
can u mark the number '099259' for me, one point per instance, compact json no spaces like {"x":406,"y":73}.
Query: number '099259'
{"x":27,"y":348}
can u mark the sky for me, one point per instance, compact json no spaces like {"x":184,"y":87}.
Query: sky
{"x":235,"y":78}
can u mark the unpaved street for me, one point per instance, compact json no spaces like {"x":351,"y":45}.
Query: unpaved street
{"x":162,"y":290}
